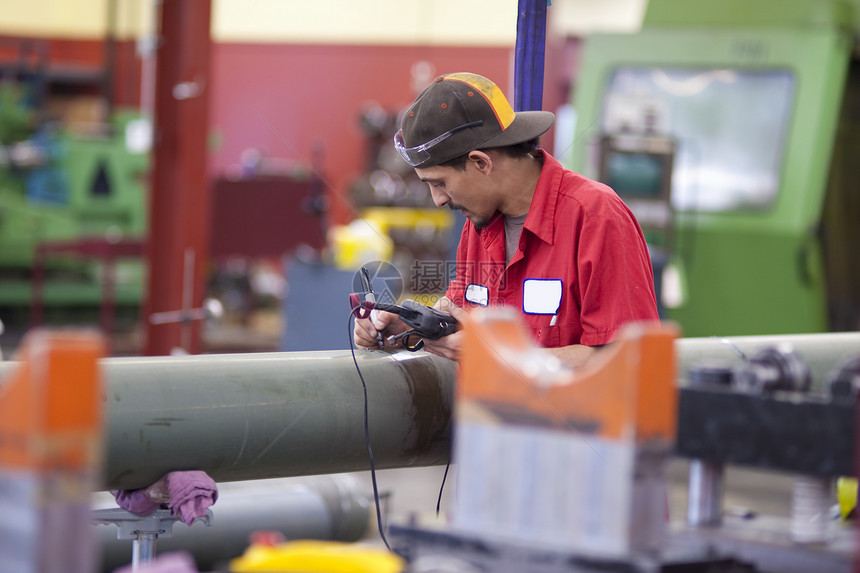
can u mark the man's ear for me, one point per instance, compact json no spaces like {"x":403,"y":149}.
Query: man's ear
{"x":481,"y":160}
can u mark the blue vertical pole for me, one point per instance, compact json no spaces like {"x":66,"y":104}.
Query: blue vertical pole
{"x":529,"y":55}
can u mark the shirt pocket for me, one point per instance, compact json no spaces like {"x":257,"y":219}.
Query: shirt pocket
{"x":549,"y":336}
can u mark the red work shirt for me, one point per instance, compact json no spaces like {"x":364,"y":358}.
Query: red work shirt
{"x":581,"y":270}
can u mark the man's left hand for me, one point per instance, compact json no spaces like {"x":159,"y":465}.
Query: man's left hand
{"x":447,"y":346}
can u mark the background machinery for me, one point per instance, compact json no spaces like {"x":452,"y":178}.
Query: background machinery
{"x":730,"y":129}
{"x":71,"y":175}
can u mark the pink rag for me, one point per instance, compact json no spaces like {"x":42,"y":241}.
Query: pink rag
{"x":188,"y":493}
{"x":135,"y":501}
{"x":191,"y":494}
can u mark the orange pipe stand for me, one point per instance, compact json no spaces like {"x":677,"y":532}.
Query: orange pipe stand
{"x":51,"y":453}
{"x":569,"y":460}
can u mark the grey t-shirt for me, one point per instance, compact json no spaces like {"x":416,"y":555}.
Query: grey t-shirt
{"x":513,"y":230}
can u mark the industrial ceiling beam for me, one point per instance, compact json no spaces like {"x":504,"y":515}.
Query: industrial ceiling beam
{"x":529,"y":55}
{"x":179,"y":194}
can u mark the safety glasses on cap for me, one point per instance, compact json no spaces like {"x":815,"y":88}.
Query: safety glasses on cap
{"x":417,"y":155}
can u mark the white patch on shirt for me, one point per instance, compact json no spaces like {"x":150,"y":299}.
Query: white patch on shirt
{"x":478,"y":294}
{"x":541,"y":296}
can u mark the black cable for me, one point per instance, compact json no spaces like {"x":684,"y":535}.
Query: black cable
{"x":367,"y":430}
{"x":442,"y":487}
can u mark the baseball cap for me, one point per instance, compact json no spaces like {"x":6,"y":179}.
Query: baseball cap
{"x":458,"y":113}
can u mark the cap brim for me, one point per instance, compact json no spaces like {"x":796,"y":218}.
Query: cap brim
{"x":526,"y":125}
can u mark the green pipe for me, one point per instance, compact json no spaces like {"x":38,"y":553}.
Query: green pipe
{"x":254,"y":416}
{"x":328,"y":507}
{"x":822,"y":352}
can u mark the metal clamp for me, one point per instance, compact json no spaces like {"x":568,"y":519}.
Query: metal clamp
{"x":143,"y":530}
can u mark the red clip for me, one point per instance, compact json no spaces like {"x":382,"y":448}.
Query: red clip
{"x":360,"y":308}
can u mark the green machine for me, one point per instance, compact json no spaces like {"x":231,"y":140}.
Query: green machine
{"x":59,"y":186}
{"x":731,"y":129}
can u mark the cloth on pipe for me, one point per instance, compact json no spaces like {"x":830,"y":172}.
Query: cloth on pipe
{"x":191,"y":494}
{"x":188,"y":494}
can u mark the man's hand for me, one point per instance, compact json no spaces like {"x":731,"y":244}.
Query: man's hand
{"x":576,"y":355}
{"x":447,"y":346}
{"x":386,"y":323}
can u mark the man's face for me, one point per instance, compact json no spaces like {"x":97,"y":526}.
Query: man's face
{"x":469,"y":191}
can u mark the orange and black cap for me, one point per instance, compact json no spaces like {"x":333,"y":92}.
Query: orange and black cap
{"x":461,"y":112}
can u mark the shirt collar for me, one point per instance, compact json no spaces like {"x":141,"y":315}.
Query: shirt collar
{"x":541,"y":218}
{"x":493,"y":232}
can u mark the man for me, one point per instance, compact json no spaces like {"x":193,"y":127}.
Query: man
{"x":562,"y":248}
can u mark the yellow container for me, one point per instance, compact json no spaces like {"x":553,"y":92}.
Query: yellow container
{"x":846,"y":492}
{"x":408,"y":218}
{"x":317,"y":557}
{"x":358,"y":243}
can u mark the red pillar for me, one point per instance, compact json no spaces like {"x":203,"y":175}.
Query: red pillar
{"x":177,"y":245}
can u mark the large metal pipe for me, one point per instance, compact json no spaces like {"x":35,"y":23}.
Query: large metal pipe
{"x":329,"y":507}
{"x":254,"y":416}
{"x":822,"y":352}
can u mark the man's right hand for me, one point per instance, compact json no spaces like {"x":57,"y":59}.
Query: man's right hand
{"x":366,"y":329}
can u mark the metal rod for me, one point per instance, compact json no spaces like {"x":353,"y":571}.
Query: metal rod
{"x":143,"y":549}
{"x":187,"y":299}
{"x":810,"y":509}
{"x":705,"y":494}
